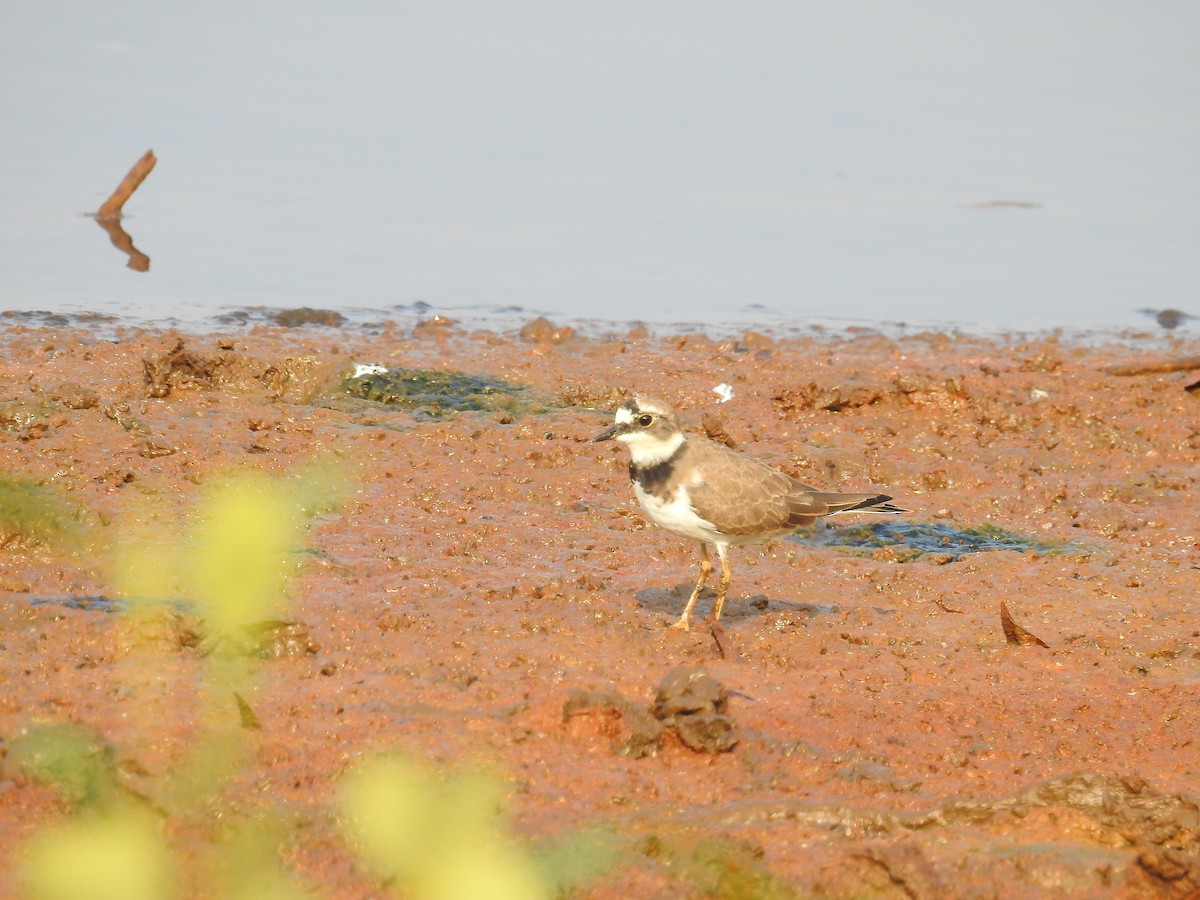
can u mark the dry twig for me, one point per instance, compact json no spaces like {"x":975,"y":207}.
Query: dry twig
{"x":111,"y":208}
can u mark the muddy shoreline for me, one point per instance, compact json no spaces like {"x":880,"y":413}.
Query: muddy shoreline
{"x":487,"y":561}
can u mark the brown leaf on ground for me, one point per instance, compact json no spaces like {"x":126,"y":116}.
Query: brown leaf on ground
{"x":1014,"y":633}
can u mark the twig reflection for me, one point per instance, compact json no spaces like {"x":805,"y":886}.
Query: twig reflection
{"x":138,"y":261}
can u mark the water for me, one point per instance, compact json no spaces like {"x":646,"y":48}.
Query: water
{"x":1019,"y":166}
{"x":912,"y":539}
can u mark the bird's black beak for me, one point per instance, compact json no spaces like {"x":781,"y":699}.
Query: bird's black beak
{"x":609,"y":433}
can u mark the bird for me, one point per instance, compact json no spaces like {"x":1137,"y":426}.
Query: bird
{"x":698,"y":489}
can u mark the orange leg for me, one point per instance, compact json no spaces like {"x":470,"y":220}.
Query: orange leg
{"x":723,"y":584}
{"x":705,"y":571}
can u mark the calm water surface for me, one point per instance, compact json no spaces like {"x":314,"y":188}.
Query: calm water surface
{"x":1024,"y":166}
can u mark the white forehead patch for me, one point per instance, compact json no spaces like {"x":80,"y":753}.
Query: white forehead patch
{"x":624,"y":415}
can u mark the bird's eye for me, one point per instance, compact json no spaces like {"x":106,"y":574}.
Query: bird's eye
{"x":645,"y":419}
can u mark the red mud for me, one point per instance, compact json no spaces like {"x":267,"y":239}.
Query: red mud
{"x":487,"y":566}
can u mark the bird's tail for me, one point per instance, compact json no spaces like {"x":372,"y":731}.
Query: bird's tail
{"x":862,"y":503}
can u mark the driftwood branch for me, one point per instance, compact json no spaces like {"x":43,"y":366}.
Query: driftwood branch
{"x":111,"y":208}
{"x":1180,"y":364}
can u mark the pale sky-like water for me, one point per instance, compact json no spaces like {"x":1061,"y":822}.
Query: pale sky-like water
{"x":668,"y":162}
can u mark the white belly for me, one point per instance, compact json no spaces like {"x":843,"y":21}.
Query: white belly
{"x":677,"y":516}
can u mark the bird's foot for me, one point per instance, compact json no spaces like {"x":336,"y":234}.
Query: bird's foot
{"x":681,"y":623}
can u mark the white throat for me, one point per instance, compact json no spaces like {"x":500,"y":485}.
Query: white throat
{"x":648,"y":450}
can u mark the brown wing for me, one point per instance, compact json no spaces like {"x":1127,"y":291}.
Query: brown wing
{"x":740,"y":495}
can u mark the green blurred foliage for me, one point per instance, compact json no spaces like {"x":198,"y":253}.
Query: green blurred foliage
{"x":242,"y":545}
{"x":246,"y":864}
{"x":437,"y":839}
{"x":117,"y":854}
{"x":233,"y":564}
{"x":239,"y":557}
{"x":427,"y":834}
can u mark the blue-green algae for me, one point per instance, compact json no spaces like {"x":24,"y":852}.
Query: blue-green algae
{"x":913,"y":539}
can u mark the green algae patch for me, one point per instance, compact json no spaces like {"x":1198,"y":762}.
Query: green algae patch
{"x":433,"y":394}
{"x":910,"y":540}
{"x":36,"y":512}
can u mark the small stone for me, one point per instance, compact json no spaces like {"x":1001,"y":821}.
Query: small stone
{"x":638,"y":332}
{"x":542,"y":331}
{"x":153,"y":449}
{"x":276,"y":640}
{"x":75,"y":396}
{"x":435,"y":327}
{"x":754,"y":340}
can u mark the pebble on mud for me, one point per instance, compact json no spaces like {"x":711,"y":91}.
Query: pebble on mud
{"x":687,"y":690}
{"x":542,"y":331}
{"x":152,"y":449}
{"x":436,"y":327}
{"x":279,"y":639}
{"x":75,"y":396}
{"x":269,"y":639}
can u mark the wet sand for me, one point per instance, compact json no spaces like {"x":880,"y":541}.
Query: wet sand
{"x":489,"y":565}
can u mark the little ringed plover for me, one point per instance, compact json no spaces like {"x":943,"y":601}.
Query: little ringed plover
{"x":699,"y":489}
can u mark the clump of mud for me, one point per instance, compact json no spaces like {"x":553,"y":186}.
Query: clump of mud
{"x":690,"y":704}
{"x":183,"y":368}
{"x":696,"y":705}
{"x":634,"y":732}
{"x":1148,"y":841}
